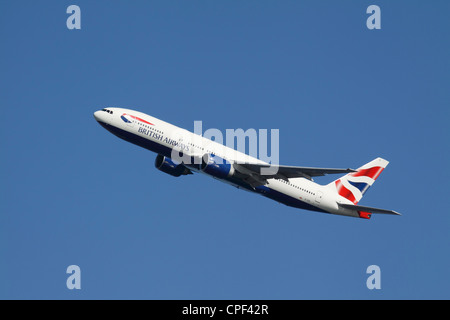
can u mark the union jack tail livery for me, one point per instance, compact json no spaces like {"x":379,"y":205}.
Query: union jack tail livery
{"x":353,"y":185}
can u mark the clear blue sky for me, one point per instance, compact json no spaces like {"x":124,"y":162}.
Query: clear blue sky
{"x":340,"y":94}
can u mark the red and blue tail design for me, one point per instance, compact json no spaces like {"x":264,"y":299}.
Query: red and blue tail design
{"x":353,"y":185}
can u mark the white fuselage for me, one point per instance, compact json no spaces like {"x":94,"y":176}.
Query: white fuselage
{"x":165,"y":139}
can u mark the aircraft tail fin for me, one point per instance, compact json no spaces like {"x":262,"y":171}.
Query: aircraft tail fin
{"x":352,"y":186}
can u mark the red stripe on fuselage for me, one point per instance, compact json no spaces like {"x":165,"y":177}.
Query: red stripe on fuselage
{"x":139,"y":119}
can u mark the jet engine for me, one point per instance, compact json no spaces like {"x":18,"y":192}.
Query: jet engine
{"x":168,"y":166}
{"x":216,"y":166}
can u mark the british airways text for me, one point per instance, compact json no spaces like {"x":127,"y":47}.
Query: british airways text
{"x":163,"y":139}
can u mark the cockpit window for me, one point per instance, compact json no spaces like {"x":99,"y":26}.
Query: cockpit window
{"x":109,"y":111}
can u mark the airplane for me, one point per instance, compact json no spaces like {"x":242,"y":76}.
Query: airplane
{"x":181,"y":152}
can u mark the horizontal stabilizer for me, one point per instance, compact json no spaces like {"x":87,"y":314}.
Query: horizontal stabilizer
{"x":367,"y":209}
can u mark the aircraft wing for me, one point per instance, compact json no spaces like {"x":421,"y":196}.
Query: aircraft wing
{"x":367,"y":209}
{"x":267,"y":171}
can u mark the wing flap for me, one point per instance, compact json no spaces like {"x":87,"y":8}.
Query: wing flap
{"x":268,"y":171}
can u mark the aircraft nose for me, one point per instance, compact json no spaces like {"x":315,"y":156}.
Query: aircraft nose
{"x":102,"y":116}
{"x":97,"y":115}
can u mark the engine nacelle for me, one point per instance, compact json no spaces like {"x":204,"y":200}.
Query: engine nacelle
{"x":216,"y":166}
{"x":168,"y":166}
